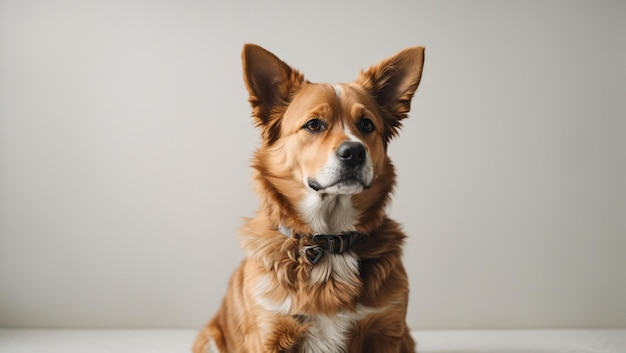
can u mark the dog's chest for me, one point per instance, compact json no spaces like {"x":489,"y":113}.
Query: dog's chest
{"x":325,"y":333}
{"x":329,"y":334}
{"x":340,"y":267}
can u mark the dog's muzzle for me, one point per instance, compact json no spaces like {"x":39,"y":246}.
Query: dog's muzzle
{"x":349,"y":171}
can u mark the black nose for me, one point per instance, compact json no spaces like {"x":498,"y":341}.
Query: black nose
{"x":351,"y":153}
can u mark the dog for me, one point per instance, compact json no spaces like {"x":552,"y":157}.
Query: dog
{"x":323,"y":270}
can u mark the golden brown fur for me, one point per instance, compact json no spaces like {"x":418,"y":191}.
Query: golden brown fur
{"x":277,"y":300}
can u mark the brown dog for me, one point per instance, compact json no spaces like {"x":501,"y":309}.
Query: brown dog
{"x":323,"y":271}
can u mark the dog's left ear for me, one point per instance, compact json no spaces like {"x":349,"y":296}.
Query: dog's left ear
{"x":392,"y":82}
{"x":271,"y":84}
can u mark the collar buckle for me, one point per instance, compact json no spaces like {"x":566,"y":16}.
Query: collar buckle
{"x":333,"y":243}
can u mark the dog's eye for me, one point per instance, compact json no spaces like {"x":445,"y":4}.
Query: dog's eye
{"x":366,"y":126}
{"x":314,"y":125}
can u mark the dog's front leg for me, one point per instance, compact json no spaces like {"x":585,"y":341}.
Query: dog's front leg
{"x":210,"y":340}
{"x":285,"y":335}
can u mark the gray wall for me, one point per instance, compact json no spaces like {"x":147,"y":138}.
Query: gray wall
{"x":125,"y":142}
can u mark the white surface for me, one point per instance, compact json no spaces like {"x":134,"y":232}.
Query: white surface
{"x":180,"y":341}
{"x":125,"y":144}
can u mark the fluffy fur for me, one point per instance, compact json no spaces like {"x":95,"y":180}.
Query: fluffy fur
{"x":322,"y":167}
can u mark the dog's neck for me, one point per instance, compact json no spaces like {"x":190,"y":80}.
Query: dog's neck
{"x":328,"y":213}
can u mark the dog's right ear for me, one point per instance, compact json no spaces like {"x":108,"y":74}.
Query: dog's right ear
{"x":271,"y":84}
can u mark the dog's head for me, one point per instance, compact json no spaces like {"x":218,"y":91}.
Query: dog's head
{"x":328,"y":139}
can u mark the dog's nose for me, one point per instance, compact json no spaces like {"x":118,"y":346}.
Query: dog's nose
{"x":351,"y":153}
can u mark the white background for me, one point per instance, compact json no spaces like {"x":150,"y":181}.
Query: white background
{"x":125,"y":142}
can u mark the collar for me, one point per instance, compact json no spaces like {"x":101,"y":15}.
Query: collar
{"x":332,"y":243}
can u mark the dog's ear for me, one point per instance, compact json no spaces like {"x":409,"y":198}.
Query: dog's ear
{"x":392,"y":82}
{"x":271,"y":84}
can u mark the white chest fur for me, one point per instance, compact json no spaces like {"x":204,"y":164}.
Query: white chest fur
{"x":328,"y":334}
{"x":328,"y":213}
{"x":331,"y":214}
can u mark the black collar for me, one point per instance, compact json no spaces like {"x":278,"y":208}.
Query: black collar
{"x":332,"y":243}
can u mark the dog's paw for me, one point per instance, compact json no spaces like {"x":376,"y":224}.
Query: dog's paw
{"x":286,"y":334}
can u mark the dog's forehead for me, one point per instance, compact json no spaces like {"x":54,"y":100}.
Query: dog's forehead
{"x":337,"y":97}
{"x":351,"y":93}
{"x":314,"y":94}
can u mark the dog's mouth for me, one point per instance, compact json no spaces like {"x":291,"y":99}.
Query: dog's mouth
{"x":344,"y":185}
